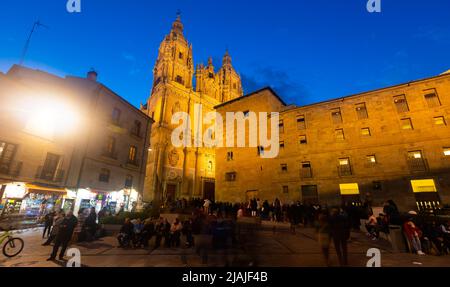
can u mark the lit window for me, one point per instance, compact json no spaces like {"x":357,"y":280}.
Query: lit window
{"x":439,"y":121}
{"x":365,"y":132}
{"x":371,"y":159}
{"x":132,"y":154}
{"x":406,"y":124}
{"x":446,"y":151}
{"x":415,"y":154}
{"x":361,"y":111}
{"x":401,"y":104}
{"x":344,"y":161}
{"x":339,"y":133}
{"x":303,"y":140}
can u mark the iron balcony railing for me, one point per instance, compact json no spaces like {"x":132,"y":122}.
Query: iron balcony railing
{"x":10,"y":168}
{"x":51,"y":175}
{"x":344,"y":170}
{"x":417,"y":164}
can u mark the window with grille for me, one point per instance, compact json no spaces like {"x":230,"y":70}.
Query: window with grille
{"x":344,"y":167}
{"x":301,"y":122}
{"x":401,"y":104}
{"x":432,"y":99}
{"x":306,"y":171}
{"x":336,"y":116}
{"x":229,"y":155}
{"x":339,"y":134}
{"x":361,"y":111}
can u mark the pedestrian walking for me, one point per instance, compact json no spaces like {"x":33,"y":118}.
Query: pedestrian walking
{"x":340,"y":232}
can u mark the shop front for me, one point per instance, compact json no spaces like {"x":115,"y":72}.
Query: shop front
{"x":350,"y":194}
{"x":111,"y":201}
{"x":11,"y":201}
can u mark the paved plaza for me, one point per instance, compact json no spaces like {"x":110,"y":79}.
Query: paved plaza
{"x":266,"y":249}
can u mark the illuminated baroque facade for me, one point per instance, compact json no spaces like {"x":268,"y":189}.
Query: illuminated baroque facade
{"x":183,"y":172}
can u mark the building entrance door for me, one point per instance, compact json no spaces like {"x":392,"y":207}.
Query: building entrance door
{"x":209,"y":190}
{"x":171,"y":191}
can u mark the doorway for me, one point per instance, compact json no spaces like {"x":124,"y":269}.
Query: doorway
{"x":171,"y":191}
{"x":209,"y":190}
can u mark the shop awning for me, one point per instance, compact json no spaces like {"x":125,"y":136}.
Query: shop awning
{"x":44,"y":189}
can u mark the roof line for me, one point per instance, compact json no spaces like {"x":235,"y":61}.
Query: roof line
{"x":251,"y":94}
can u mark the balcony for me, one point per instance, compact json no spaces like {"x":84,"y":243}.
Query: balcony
{"x":134,"y":163}
{"x":109,"y":154}
{"x":344,"y":170}
{"x":417,"y":164}
{"x":11,"y":168}
{"x":50,"y":175}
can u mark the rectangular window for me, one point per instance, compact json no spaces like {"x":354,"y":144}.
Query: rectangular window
{"x":344,"y":167}
{"x":401,"y":104}
{"x":306,"y":171}
{"x":229,"y":156}
{"x":303,"y":140}
{"x":179,"y":79}
{"x":132,"y":155}
{"x":301,"y":122}
{"x":50,"y":167}
{"x":111,"y":146}
{"x":361,"y":111}
{"x":371,"y":159}
{"x":129,"y":181}
{"x":336,"y":116}
{"x":281,"y":126}
{"x":115,"y":117}
{"x":136,"y":128}
{"x":339,"y":134}
{"x":446,"y":151}
{"x":285,"y":189}
{"x":104,"y":175}
{"x":284,"y":167}
{"x":310,"y":194}
{"x":282,"y":144}
{"x":7,"y":152}
{"x":439,"y":121}
{"x":406,"y":124}
{"x":416,"y":162}
{"x":365,"y":132}
{"x":432,"y":98}
{"x":230,"y":176}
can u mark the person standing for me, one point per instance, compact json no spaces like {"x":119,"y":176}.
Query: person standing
{"x":90,"y":225}
{"x":56,"y":223}
{"x":48,"y":223}
{"x":64,"y":235}
{"x":340,"y":232}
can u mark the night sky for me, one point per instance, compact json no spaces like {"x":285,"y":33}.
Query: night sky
{"x":307,"y":50}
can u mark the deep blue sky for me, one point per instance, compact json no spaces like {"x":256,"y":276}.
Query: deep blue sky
{"x":308,"y":50}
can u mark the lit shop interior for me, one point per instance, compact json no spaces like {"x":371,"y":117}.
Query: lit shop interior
{"x":34,"y":200}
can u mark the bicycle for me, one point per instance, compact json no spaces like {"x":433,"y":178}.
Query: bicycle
{"x":13,"y":245}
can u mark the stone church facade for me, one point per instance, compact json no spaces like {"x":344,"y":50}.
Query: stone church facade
{"x":187,"y":171}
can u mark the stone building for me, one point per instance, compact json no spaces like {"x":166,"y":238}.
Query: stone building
{"x":184,"y":171}
{"x":390,"y":143}
{"x":69,"y":142}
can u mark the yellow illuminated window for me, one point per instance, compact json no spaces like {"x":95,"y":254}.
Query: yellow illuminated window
{"x":446,"y":151}
{"x":439,"y":121}
{"x":365,"y":132}
{"x":423,"y":185}
{"x":339,"y":133}
{"x":349,"y":188}
{"x":371,"y":159}
{"x":132,"y":154}
{"x":406,"y":124}
{"x":415,"y":154}
{"x":343,"y":161}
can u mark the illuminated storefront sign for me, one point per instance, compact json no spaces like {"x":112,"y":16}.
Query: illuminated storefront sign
{"x":423,"y":185}
{"x":349,"y":188}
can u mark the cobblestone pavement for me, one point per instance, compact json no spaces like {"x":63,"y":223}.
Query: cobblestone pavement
{"x":264,"y":248}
